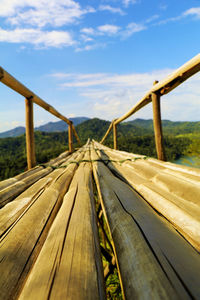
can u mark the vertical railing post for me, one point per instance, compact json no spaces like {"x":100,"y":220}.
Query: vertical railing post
{"x":70,"y":137}
{"x":115,"y":135}
{"x":158,"y":126}
{"x":30,"y":142}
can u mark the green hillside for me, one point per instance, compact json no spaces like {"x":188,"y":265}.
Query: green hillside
{"x":135,"y":136}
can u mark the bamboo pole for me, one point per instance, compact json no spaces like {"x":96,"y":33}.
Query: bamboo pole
{"x":107,"y":133}
{"x":166,"y":85}
{"x":30,"y":143}
{"x":158,"y":125}
{"x":70,"y":137}
{"x":76,"y":134}
{"x":115,"y":135}
{"x":17,"y":86}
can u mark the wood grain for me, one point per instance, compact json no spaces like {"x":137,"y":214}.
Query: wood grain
{"x":69,"y":265}
{"x":133,"y":222}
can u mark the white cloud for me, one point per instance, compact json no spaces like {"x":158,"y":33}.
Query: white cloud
{"x":195,"y":11}
{"x":112,"y":9}
{"x":86,"y":38}
{"x":88,"y":48}
{"x":154,"y":17}
{"x":126,"y":3}
{"x":163,"y":6}
{"x":88,"y":30}
{"x":37,"y":37}
{"x":75,"y":76}
{"x":42,"y":12}
{"x":111,"y":80}
{"x":111,"y":95}
{"x":109,"y":29}
{"x":131,"y":29}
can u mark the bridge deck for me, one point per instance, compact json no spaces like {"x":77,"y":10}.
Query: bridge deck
{"x":49,"y":230}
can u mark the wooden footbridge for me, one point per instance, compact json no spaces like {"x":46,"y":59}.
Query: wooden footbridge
{"x":142,"y":215}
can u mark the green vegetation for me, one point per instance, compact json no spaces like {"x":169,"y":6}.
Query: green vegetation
{"x":181,"y":138}
{"x":13,"y":151}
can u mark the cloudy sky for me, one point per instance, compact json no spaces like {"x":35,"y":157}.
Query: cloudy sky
{"x":97,"y":58}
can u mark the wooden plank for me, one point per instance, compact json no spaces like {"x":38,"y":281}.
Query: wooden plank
{"x":58,"y":160}
{"x":174,"y":198}
{"x":12,"y":191}
{"x":7,"y":182}
{"x":69,"y":265}
{"x":22,"y":243}
{"x":179,"y":169}
{"x":137,"y":266}
{"x":12,"y":187}
{"x":152,"y":256}
{"x":10,"y":213}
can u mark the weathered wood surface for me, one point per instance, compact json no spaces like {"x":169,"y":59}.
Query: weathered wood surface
{"x":21,"y":243}
{"x":12,"y":187}
{"x":68,"y":266}
{"x":152,"y":256}
{"x":175,"y":194}
{"x":49,"y":245}
{"x":12,"y":191}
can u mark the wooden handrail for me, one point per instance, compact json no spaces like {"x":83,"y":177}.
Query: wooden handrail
{"x":31,"y":97}
{"x":166,"y":85}
{"x":160,"y":88}
{"x":21,"y":89}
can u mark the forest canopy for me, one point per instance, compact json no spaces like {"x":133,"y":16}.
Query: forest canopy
{"x":137,"y":137}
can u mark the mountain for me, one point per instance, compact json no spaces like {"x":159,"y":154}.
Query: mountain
{"x":13,"y":132}
{"x":169,"y":127}
{"x":131,"y":138}
{"x":49,"y":127}
{"x":137,"y":127}
{"x":60,"y":125}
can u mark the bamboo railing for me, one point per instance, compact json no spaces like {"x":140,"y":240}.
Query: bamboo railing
{"x":31,"y":98}
{"x":153,"y":95}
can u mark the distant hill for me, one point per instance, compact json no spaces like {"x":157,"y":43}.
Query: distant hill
{"x":97,"y":127}
{"x":135,"y":136}
{"x":13,"y":132}
{"x":169,"y":127}
{"x":60,"y":125}
{"x":49,"y":127}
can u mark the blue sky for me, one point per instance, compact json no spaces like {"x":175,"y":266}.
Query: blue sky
{"x":97,"y":58}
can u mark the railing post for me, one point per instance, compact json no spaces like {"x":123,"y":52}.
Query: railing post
{"x":115,"y":135}
{"x":70,"y":137}
{"x":30,"y":142}
{"x":158,"y":125}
